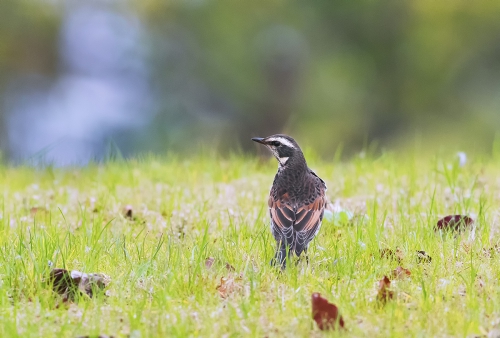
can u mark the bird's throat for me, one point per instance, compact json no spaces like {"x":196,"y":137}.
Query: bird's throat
{"x":282,"y":160}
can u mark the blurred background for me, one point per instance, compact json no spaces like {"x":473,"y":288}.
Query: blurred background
{"x":81,"y":79}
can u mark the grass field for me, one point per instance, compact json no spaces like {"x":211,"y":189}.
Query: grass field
{"x":185,"y":211}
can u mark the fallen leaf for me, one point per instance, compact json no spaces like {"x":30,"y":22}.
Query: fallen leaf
{"x":68,"y":284}
{"x":35,"y":210}
{"x":400,"y":273}
{"x":229,"y":285}
{"x":391,"y":254}
{"x":61,"y":281}
{"x":229,"y":267}
{"x":491,"y":251}
{"x":454,"y":223}
{"x":386,"y":253}
{"x":423,"y":257}
{"x":127,"y":211}
{"x":384,"y":294}
{"x":324,"y":313}
{"x":209,"y":262}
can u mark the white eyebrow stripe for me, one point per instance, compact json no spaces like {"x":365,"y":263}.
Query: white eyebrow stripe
{"x":282,"y":140}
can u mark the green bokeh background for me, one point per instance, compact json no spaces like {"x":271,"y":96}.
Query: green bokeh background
{"x":330,"y":73}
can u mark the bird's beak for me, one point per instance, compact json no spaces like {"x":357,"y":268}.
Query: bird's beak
{"x":259,"y":140}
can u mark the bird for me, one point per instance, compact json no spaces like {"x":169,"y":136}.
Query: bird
{"x":297,"y":199}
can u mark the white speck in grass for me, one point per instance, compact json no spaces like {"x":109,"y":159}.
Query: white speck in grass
{"x":51,"y":264}
{"x":472,"y":234}
{"x":462,"y":158}
{"x":362,"y":245}
{"x":328,"y":215}
{"x":87,"y":249}
{"x":135,"y":333}
{"x":320,"y":248}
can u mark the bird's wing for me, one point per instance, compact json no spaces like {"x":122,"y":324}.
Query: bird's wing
{"x":282,"y":218}
{"x":282,"y":213}
{"x":308,"y":215}
{"x":305,"y":219}
{"x":322,"y":182}
{"x":308,"y":222}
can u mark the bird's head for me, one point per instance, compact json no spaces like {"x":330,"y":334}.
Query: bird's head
{"x":283,"y":147}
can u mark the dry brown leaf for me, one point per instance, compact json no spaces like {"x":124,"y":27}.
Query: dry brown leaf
{"x":391,"y":254}
{"x":325,"y":314}
{"x":491,"y":251}
{"x":384,"y":294}
{"x":423,"y":257}
{"x":400,"y":273}
{"x":209,"y":262}
{"x":127,"y":212}
{"x":36,"y":210}
{"x":228,"y":285}
{"x":68,"y":284}
{"x":454,"y":223}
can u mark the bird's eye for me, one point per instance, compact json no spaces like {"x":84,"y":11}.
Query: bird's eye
{"x":276,"y":143}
